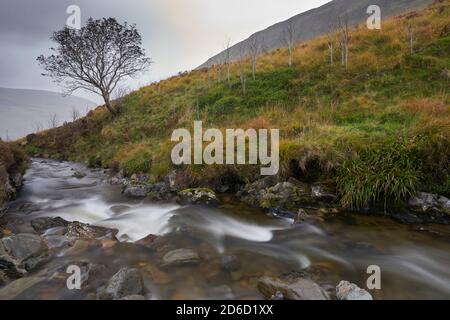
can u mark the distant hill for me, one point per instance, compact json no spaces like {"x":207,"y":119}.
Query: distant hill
{"x":22,"y":111}
{"x":315,"y":22}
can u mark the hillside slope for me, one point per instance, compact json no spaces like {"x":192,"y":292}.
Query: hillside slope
{"x":378,"y":131}
{"x":317,"y":22}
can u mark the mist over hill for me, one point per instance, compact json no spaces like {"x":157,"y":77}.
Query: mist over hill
{"x":22,"y":111}
{"x":316,"y":22}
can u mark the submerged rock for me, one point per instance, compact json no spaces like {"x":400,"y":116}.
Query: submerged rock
{"x":180,"y":257}
{"x":126,"y":282}
{"x":230,"y":263}
{"x":222,"y":292}
{"x":350,"y":291}
{"x":148,"y":240}
{"x":17,"y":287}
{"x":301,"y":217}
{"x":297,"y":289}
{"x":78,"y":174}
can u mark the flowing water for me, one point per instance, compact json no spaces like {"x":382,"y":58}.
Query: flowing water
{"x":414,"y":260}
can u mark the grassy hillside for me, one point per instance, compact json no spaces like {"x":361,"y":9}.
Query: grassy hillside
{"x":377,"y":131}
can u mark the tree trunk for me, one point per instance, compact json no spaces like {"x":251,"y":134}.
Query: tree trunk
{"x":346,"y":55}
{"x":109,"y":105}
{"x":290,"y":57}
{"x":254,"y":69}
{"x":331,"y":53}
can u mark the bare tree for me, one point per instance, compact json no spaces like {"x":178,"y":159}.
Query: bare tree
{"x":96,"y":57}
{"x":410,"y":34}
{"x":241,"y":63}
{"x":38,"y":126}
{"x":217,"y":66}
{"x":53,"y":121}
{"x":331,"y":36}
{"x":75,"y":114}
{"x":344,"y":39}
{"x":289,"y":39}
{"x":228,"y":61}
{"x":255,"y":48}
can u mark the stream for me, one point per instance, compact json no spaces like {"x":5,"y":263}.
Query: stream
{"x":414,"y":260}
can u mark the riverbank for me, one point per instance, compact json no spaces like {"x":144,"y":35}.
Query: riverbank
{"x":292,"y":198}
{"x":147,"y":248}
{"x":13,"y":164}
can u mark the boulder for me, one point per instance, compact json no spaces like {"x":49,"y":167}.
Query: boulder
{"x":21,"y":246}
{"x":160,"y":187}
{"x":295,"y":289}
{"x":429,"y":203}
{"x":40,"y":225}
{"x":91,"y":274}
{"x":180,"y":257}
{"x":283,"y":195}
{"x":199,"y":195}
{"x":80,"y":230}
{"x":350,"y":291}
{"x":139,"y":191}
{"x":126,"y":282}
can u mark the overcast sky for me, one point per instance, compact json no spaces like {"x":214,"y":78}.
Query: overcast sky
{"x":178,"y":35}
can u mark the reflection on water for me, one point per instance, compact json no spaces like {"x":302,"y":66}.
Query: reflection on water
{"x":415,"y":262}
